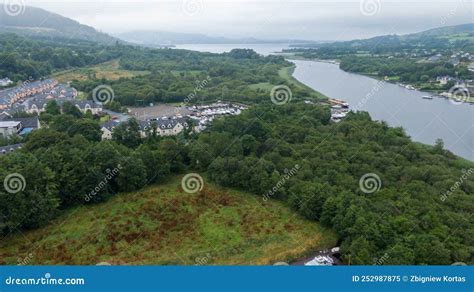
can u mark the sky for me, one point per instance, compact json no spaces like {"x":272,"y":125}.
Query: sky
{"x":268,"y":19}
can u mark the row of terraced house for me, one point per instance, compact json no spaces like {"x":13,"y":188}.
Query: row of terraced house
{"x":10,"y":96}
{"x":32,"y":98}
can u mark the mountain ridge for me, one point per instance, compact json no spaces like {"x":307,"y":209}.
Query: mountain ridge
{"x":442,"y":33}
{"x":166,"y":38}
{"x":37,"y":22}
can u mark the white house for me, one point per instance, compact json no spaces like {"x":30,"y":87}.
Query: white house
{"x":5,"y":82}
{"x":8,"y":128}
{"x":107,"y":129}
{"x":164,"y":126}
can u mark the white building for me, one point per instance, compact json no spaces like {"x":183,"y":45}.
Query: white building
{"x":107,"y":129}
{"x":5,"y":82}
{"x":8,"y":128}
{"x":163,"y":126}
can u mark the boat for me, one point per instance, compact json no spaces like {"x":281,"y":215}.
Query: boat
{"x":427,"y":97}
{"x":334,"y":101}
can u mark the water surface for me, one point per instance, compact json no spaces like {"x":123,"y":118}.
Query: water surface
{"x":424,"y":120}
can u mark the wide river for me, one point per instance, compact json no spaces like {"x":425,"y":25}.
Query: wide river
{"x":424,"y":120}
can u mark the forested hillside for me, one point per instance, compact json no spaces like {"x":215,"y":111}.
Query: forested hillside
{"x":24,"y":58}
{"x":459,"y":37}
{"x":419,"y":213}
{"x":410,"y":219}
{"x":176,"y":74}
{"x":35,"y":22}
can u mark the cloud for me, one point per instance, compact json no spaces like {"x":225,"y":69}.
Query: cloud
{"x":308,"y":19}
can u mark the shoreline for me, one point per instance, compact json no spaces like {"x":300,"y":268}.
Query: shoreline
{"x":459,"y":158}
{"x":431,"y":91}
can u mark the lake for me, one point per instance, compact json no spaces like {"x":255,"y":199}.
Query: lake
{"x":424,"y":120}
{"x":264,"y":49}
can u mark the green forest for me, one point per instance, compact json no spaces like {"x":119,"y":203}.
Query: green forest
{"x":25,"y":58}
{"x":406,"y":69}
{"x":416,"y":217}
{"x":175,"y":74}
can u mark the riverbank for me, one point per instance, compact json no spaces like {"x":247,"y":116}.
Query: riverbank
{"x":424,"y":120}
{"x":466,"y":98}
{"x":287,"y":74}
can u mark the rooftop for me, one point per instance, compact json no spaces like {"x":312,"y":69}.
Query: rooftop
{"x":9,"y":124}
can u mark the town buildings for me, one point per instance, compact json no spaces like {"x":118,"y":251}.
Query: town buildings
{"x":17,"y":126}
{"x":5,"y":82}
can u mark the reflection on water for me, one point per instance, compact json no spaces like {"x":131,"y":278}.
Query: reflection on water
{"x":424,"y":120}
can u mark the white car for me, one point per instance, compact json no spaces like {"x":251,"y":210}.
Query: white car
{"x":320,"y":260}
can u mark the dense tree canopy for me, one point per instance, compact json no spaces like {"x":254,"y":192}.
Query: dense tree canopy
{"x":27,"y":59}
{"x":407,"y":219}
{"x":420,"y":214}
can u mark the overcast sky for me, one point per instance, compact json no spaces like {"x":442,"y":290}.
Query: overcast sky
{"x":296,"y":19}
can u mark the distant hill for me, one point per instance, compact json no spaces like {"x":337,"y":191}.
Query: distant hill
{"x":458,"y":35}
{"x":37,"y":22}
{"x":467,"y":28}
{"x":163,"y":38}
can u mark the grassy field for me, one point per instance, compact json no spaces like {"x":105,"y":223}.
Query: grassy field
{"x":163,"y":225}
{"x":108,"y":70}
{"x":287,"y":74}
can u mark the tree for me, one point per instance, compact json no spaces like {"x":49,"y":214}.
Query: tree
{"x":360,"y":252}
{"x":308,"y":199}
{"x":439,"y":146}
{"x":62,"y":123}
{"x":34,"y":201}
{"x":45,"y":138}
{"x":70,"y":109}
{"x":132,"y":174}
{"x":128,"y":133}
{"x":88,"y":128}
{"x":53,"y":108}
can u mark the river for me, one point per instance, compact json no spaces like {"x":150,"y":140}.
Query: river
{"x":424,"y":120}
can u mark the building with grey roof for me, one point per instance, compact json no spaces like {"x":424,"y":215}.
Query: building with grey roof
{"x":9,"y":148}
